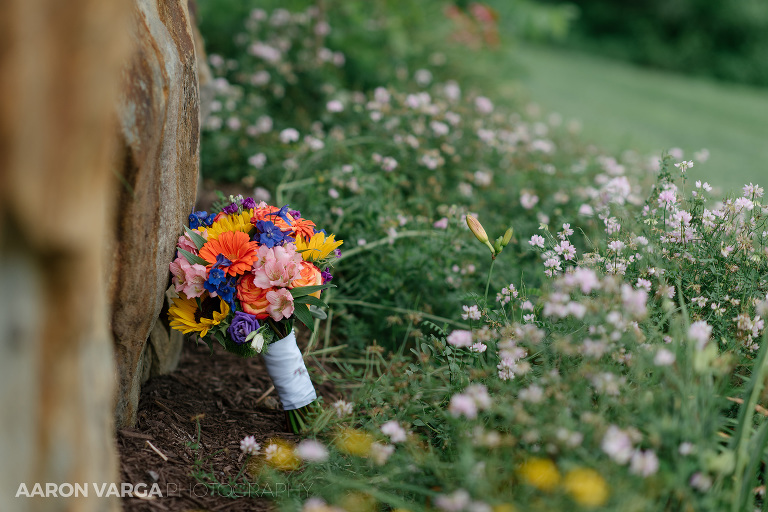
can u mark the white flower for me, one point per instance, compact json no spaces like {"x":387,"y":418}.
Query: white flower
{"x":460,"y":338}
{"x":699,"y":332}
{"x":528,"y":200}
{"x":664,"y":357}
{"x":249,"y":446}
{"x":343,"y":408}
{"x":396,"y":433}
{"x":684,"y":166}
{"x":470,"y":312}
{"x":381,"y":452}
{"x":312,"y":451}
{"x":334,"y":106}
{"x":483,"y":105}
{"x":537,"y":241}
{"x":644,"y":463}
{"x":289,"y":135}
{"x":617,"y":445}
{"x":258,"y":160}
{"x":257,"y":343}
{"x":454,"y":502}
{"x":462,"y":405}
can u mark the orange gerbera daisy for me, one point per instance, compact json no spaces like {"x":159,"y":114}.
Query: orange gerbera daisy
{"x":303,"y":228}
{"x":236,"y":246}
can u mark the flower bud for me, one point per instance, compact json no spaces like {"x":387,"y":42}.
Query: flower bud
{"x":477,"y":229}
{"x":507,"y":237}
{"x":497,"y":245}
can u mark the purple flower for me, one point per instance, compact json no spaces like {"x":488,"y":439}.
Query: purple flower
{"x":337,"y":252}
{"x":296,"y":214}
{"x":229,"y":210}
{"x":326,"y":275}
{"x":242,"y":325}
{"x":249,"y":203}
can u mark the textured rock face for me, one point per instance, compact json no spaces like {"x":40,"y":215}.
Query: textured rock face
{"x":60,"y":66}
{"x":158,"y":167}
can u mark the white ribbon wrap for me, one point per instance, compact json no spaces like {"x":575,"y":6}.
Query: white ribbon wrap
{"x":285,"y":366}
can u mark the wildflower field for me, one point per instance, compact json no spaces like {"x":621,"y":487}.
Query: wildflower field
{"x":520,"y":321}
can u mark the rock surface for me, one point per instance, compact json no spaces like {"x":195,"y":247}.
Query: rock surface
{"x":158,"y":168}
{"x":60,"y":65}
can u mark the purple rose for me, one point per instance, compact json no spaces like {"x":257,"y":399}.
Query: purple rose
{"x":242,"y":325}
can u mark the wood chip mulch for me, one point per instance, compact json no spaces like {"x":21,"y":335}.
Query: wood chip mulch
{"x":222,"y":391}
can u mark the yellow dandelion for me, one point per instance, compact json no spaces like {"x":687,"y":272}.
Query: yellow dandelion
{"x":186,"y":317}
{"x":354,"y":442}
{"x":234,"y":222}
{"x":358,"y":502}
{"x":317,"y":247}
{"x":540,"y":473}
{"x":586,"y":487}
{"x":280,"y":454}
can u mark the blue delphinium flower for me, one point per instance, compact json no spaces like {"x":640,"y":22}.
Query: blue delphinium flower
{"x":270,"y":235}
{"x":283,"y":214}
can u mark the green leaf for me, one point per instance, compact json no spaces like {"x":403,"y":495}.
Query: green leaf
{"x":192,"y":259}
{"x":198,"y":240}
{"x":301,"y":311}
{"x":309,"y":299}
{"x":303,"y":291}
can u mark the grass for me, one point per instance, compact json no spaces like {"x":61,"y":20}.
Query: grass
{"x":626,"y":107}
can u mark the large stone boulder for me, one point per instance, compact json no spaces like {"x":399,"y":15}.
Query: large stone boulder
{"x":158,"y":167}
{"x":60,"y":65}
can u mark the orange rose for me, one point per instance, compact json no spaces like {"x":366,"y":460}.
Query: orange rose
{"x":252,"y":298}
{"x":310,"y":276}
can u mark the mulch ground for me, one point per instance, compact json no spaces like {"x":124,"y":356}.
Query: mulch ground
{"x":222,"y":392}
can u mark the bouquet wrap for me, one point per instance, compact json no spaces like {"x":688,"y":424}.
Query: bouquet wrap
{"x":285,"y":366}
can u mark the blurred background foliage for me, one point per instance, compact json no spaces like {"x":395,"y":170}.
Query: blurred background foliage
{"x":722,"y":40}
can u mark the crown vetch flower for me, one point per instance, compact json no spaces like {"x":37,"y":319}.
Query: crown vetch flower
{"x":236,"y":246}
{"x":242,"y":325}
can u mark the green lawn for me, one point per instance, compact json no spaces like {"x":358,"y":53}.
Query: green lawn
{"x":622,"y":106}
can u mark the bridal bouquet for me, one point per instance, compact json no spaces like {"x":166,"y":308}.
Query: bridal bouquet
{"x":243,"y":276}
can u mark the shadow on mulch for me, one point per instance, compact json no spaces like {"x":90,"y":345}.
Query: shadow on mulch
{"x":221,"y":390}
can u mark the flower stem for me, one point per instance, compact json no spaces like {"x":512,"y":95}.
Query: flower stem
{"x":488,"y":282}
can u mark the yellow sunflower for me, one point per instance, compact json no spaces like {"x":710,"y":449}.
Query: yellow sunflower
{"x":234,"y":222}
{"x":186,"y":317}
{"x":317,"y":247}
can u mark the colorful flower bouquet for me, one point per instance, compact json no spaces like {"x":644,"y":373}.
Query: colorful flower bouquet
{"x":243,"y":276}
